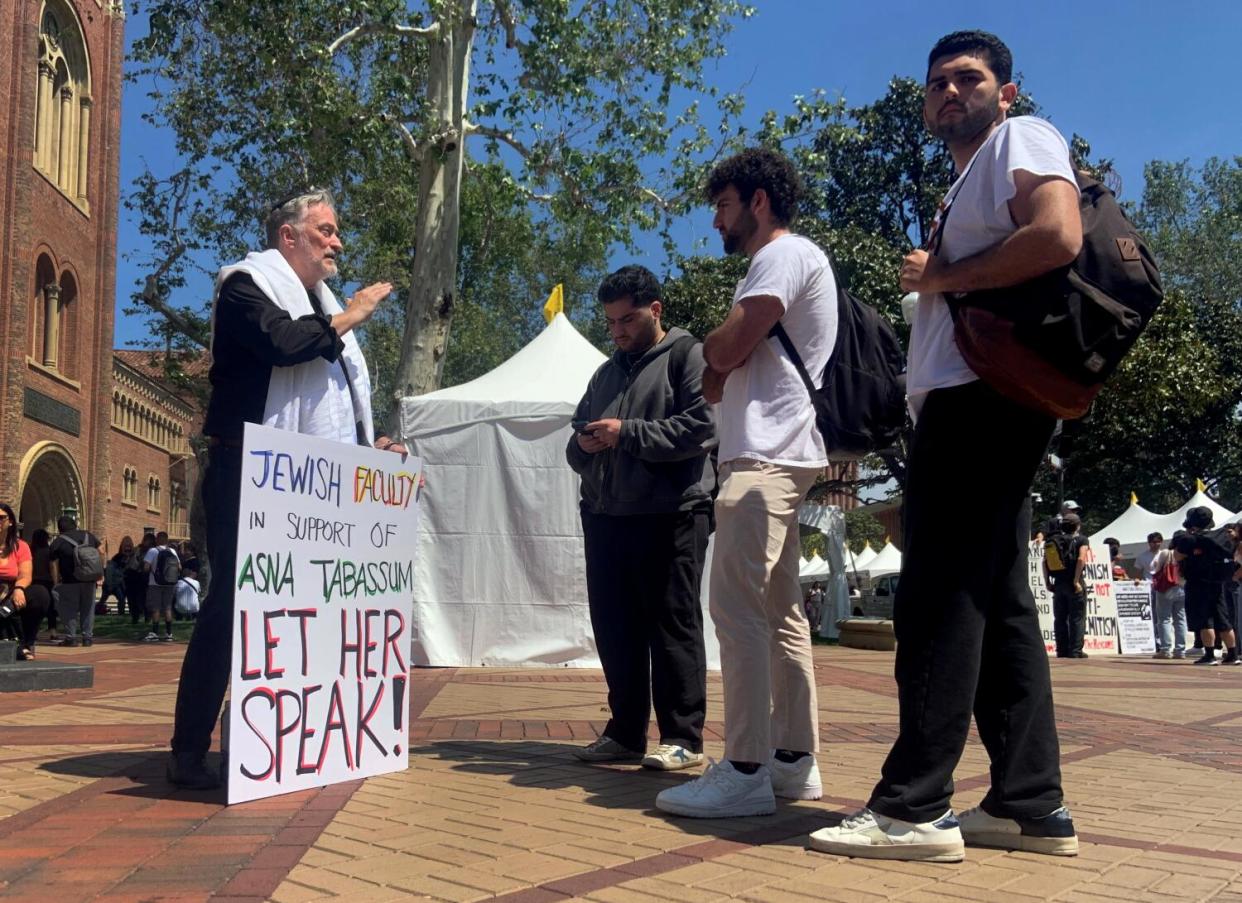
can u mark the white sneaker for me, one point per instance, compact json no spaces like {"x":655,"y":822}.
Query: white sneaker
{"x":796,"y":780}
{"x":1052,"y":835}
{"x":721,"y":792}
{"x":869,"y":835}
{"x":151,"y":637}
{"x":671,"y":757}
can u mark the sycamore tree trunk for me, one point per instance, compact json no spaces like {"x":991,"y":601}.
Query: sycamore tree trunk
{"x":433,"y":283}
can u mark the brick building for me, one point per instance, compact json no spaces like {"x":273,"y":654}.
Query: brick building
{"x":153,"y":473}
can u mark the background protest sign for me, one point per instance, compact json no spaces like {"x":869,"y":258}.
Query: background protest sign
{"x":321,"y":636}
{"x":1101,"y":617}
{"x":1043,"y":598}
{"x":1134,"y":619}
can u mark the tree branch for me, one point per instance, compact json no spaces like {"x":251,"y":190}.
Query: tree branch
{"x":506,"y":19}
{"x":412,"y":146}
{"x":375,"y":28}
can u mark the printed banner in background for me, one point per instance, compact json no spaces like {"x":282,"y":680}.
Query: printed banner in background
{"x":1134,"y":617}
{"x":321,"y":638}
{"x":1101,"y":615}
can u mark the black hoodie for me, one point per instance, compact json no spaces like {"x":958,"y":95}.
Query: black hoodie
{"x":660,"y":465}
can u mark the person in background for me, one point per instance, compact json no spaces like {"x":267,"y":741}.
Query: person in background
{"x":1206,"y":565}
{"x":17,"y":586}
{"x":161,"y":593}
{"x":114,"y":582}
{"x":75,"y":597}
{"x":1169,"y":596}
{"x":136,"y":576}
{"x":41,"y":557}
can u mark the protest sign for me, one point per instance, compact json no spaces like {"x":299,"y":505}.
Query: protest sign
{"x":1134,"y":617}
{"x":321,"y":637}
{"x":1101,"y":606}
{"x":1043,"y":598}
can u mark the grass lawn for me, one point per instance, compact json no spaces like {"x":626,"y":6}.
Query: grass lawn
{"x":119,"y":627}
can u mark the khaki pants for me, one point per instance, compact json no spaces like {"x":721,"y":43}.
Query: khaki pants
{"x":756,"y":604}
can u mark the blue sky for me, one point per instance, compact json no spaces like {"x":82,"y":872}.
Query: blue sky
{"x":1141,"y":80}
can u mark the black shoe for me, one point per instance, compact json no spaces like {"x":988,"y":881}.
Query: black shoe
{"x":1209,"y":658}
{"x":68,"y":641}
{"x":1232,"y":658}
{"x":88,"y":642}
{"x":1079,"y":654}
{"x":190,"y":772}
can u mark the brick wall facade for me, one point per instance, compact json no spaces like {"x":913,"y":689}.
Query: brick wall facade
{"x":60,"y":110}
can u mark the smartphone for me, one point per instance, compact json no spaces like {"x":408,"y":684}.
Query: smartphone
{"x":580,"y":426}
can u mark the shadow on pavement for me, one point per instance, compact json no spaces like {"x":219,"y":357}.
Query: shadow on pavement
{"x":144,"y":769}
{"x":551,"y":766}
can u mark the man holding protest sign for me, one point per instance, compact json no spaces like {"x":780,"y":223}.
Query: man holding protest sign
{"x":283,"y":355}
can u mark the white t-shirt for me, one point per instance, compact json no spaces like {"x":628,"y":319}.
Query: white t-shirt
{"x":978,"y":220}
{"x":766,"y":412}
{"x":1142,"y":562}
{"x":152,"y":554}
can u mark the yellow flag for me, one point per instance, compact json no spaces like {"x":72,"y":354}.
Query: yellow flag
{"x":555,"y":303}
{"x":1200,"y":486}
{"x":1133,"y":498}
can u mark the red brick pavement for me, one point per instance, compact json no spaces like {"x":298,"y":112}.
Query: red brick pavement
{"x":129,"y":837}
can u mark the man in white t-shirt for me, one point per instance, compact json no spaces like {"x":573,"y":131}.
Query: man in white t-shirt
{"x":968,"y":638}
{"x":161,"y":593}
{"x":770,"y":454}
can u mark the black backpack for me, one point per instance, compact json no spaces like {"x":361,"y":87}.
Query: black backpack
{"x":167,"y":570}
{"x":860,"y":405}
{"x":1080,"y":320}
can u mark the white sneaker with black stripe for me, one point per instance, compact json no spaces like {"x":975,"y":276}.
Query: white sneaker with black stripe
{"x":869,"y":835}
{"x":1052,"y":835}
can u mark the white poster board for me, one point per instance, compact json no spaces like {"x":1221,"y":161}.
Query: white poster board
{"x":1043,"y":597}
{"x":1134,"y":618}
{"x":1101,"y":615}
{"x":321,"y":638}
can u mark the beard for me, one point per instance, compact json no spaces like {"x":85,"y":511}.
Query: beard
{"x":969,"y":124}
{"x":735,"y":238}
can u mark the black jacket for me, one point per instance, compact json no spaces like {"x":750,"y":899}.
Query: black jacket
{"x":661,"y":464}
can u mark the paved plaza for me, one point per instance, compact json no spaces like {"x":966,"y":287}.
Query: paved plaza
{"x":493,"y":806}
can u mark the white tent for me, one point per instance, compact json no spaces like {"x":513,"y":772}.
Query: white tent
{"x":500,"y":577}
{"x":863,"y":558}
{"x":886,"y":561}
{"x":830,"y":521}
{"x":1131,"y":528}
{"x":1136,"y":522}
{"x":802,"y":563}
{"x":815,"y":568}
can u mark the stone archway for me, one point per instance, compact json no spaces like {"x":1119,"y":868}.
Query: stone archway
{"x":50,"y":485}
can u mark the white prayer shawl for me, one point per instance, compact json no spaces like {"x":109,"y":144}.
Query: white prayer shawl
{"x":311,"y":398}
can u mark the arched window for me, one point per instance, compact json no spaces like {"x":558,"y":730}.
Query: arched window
{"x":153,"y":493}
{"x":63,"y":102}
{"x":129,"y":489}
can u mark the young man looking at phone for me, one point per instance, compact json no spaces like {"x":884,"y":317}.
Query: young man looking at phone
{"x":642,"y":434}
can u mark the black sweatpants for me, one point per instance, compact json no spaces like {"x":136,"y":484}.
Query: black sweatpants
{"x":643,"y":579}
{"x":205,"y":669}
{"x":1069,"y":618}
{"x":967,"y":629}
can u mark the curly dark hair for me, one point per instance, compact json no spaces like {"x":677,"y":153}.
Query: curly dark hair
{"x":991,"y":48}
{"x":755,"y":168}
{"x":635,"y":282}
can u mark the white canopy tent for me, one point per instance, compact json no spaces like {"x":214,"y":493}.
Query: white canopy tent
{"x":500,"y":577}
{"x":830,"y":521}
{"x":815,"y":569}
{"x":1136,"y":522}
{"x":886,"y":561}
{"x":864,"y":558}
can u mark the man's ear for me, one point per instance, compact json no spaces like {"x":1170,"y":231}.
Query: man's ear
{"x":1008,"y":94}
{"x":657,"y":309}
{"x":759,"y":201}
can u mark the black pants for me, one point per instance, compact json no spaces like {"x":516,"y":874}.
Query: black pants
{"x":1069,"y":618}
{"x":23,"y":626}
{"x":136,"y":595}
{"x":205,"y":669}
{"x":967,"y":628}
{"x":643,"y":578}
